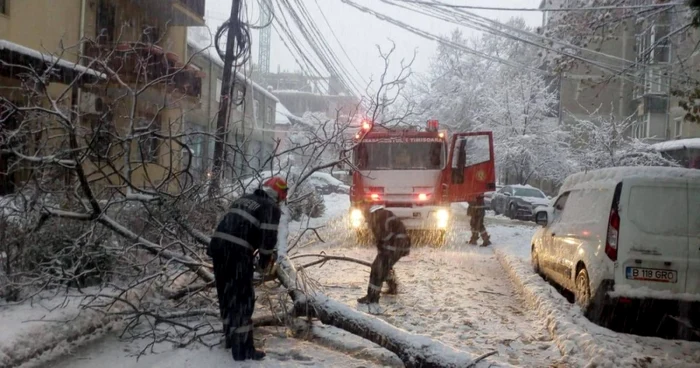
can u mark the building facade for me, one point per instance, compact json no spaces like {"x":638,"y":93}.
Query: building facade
{"x":111,"y":48}
{"x":251,"y":125}
{"x":631,"y":69}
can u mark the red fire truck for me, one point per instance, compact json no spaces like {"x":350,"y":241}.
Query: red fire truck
{"x":417,"y":174}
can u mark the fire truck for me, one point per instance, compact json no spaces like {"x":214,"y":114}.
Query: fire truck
{"x":417,"y":174}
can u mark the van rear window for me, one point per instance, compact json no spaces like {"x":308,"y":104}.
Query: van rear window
{"x":659,"y":210}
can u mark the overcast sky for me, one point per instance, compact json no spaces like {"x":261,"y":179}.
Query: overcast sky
{"x":360,"y":32}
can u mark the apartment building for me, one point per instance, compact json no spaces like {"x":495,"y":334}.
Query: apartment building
{"x":251,"y":125}
{"x":653,"y":57}
{"x":110,"y":47}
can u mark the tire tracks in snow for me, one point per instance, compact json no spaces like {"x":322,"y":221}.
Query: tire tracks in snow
{"x":576,"y":337}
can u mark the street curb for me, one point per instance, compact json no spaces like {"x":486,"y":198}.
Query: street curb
{"x":570,"y":338}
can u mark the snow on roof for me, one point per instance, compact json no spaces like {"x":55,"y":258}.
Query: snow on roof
{"x":611,"y":176}
{"x":11,"y":46}
{"x":693,"y":143}
{"x":283,"y":116}
{"x":296,"y":92}
{"x":209,"y":52}
{"x":528,"y":186}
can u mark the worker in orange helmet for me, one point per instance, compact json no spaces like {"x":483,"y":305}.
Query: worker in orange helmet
{"x":249,"y":225}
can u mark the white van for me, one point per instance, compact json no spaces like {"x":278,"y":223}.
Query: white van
{"x":623,"y":235}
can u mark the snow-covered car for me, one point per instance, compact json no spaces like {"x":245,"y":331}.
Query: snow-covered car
{"x":326,"y":183}
{"x":518,"y":201}
{"x":489,"y":195}
{"x":624,"y":237}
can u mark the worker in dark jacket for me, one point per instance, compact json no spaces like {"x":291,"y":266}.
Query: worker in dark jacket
{"x":477,"y":212}
{"x":392,"y":244}
{"x":250,"y":224}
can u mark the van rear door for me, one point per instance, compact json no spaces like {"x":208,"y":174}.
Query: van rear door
{"x":653,"y":236}
{"x":692,"y":284}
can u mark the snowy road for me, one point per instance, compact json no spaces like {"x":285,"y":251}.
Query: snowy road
{"x":459,"y":295}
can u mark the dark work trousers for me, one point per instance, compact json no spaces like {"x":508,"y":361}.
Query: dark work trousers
{"x":233,"y":271}
{"x":476,"y":223}
{"x":382,"y":270}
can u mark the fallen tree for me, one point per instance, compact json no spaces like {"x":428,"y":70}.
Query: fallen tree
{"x":413,"y":350}
{"x":149,"y":233}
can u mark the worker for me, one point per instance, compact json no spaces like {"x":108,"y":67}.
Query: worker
{"x":250,"y":224}
{"x":476,"y":212}
{"x":392,"y":243}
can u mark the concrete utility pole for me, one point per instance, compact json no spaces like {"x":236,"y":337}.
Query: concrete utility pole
{"x":225,"y":104}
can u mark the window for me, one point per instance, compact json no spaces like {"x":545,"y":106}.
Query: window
{"x":148,"y":142}
{"x":679,"y":128}
{"x":476,"y":150}
{"x":217,"y":97}
{"x":529,"y":192}
{"x":400,"y":156}
{"x":559,"y":206}
{"x":106,"y":16}
{"x":3,"y":7}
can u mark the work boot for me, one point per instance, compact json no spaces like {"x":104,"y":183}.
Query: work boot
{"x":474,"y":239}
{"x":487,"y":240}
{"x":368,"y":299}
{"x":393,"y":286}
{"x":258,"y":355}
{"x":247,"y":354}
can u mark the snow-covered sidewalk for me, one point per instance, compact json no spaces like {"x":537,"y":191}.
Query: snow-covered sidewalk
{"x":584,"y":343}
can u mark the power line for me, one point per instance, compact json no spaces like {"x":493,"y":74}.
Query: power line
{"x":321,"y":50}
{"x":585,"y":8}
{"x":480,"y":24}
{"x":329,"y":51}
{"x":323,"y":15}
{"x":440,"y":39}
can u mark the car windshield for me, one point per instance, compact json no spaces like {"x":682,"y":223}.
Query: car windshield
{"x":400,"y":156}
{"x":528,"y":192}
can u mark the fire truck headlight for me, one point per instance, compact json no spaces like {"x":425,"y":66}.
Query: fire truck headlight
{"x":356,"y":218}
{"x":442,"y":216}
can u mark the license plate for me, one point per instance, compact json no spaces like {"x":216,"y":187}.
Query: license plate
{"x":651,"y":274}
{"x":416,"y":214}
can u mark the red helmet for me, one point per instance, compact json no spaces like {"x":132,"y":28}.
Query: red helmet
{"x":278,"y":186}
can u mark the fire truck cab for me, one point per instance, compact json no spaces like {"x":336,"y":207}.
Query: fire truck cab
{"x":417,"y":174}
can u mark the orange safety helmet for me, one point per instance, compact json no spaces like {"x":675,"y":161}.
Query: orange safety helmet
{"x":278,"y":186}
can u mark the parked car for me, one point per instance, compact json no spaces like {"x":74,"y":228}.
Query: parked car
{"x":518,"y":201}
{"x":622,"y":237}
{"x":489,"y":195}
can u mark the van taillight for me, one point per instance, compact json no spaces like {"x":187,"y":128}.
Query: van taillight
{"x":613,"y":232}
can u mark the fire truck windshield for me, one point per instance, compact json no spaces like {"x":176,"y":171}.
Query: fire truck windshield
{"x":400,"y":156}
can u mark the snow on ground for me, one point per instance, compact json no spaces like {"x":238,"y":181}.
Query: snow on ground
{"x":459,"y":295}
{"x":574,"y":334}
{"x":282,"y":351}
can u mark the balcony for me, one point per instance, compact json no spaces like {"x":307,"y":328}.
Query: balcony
{"x":140,"y":63}
{"x":188,"y":13}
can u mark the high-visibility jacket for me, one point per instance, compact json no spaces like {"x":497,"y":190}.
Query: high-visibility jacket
{"x":250,"y":224}
{"x":389,"y":233}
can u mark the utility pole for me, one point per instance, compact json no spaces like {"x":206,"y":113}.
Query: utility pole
{"x":224,"y":105}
